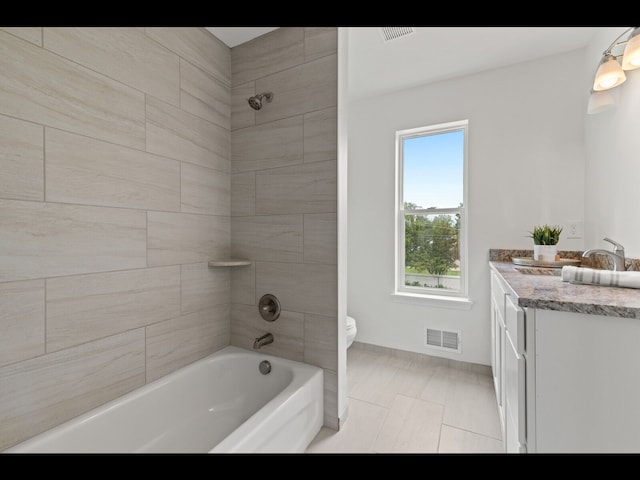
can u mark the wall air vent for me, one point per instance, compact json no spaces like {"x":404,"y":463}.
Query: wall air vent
{"x":443,"y":340}
{"x":392,"y":33}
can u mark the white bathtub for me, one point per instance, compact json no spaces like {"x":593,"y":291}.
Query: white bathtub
{"x":219,"y":404}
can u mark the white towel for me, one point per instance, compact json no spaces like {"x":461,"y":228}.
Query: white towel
{"x":607,"y":278}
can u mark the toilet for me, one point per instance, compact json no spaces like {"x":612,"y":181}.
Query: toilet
{"x":351,"y":330}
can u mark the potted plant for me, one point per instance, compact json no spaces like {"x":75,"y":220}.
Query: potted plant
{"x":545,"y":242}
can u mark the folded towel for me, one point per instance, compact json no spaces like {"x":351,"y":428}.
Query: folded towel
{"x":607,"y":278}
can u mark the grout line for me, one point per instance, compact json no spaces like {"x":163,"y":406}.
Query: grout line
{"x":180,"y":282}
{"x":146,"y":246}
{"x":440,"y":431}
{"x":44,"y":163}
{"x":145,"y":353}
{"x":471,"y":431}
{"x":146,"y":123}
{"x":44,"y":339}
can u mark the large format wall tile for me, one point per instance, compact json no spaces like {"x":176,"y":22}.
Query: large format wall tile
{"x":47,"y":239}
{"x":204,"y":95}
{"x":243,"y":284}
{"x":321,"y":135}
{"x":83,"y":170}
{"x":132,"y":126}
{"x":321,"y":341}
{"x":287,"y":331}
{"x":42,"y":87}
{"x":88,"y":307}
{"x":275,"y":51}
{"x":178,"y":134}
{"x":319,"y":42}
{"x":21,"y":320}
{"x":172,"y":344}
{"x":243,"y":193}
{"x":308,"y":188}
{"x":276,"y":238}
{"x":30,"y":34}
{"x":198,"y":46}
{"x":204,"y":288}
{"x":301,"y":89}
{"x":320,"y":238}
{"x":142,"y":63}
{"x":242,"y":115}
{"x":204,"y":190}
{"x":21,"y":160}
{"x":300,"y":287}
{"x":175,"y":238}
{"x":43,"y":392}
{"x":275,"y":144}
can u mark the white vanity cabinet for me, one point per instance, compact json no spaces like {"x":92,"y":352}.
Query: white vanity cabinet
{"x":498,"y":342}
{"x":508,"y":364}
{"x":566,"y":382}
{"x":587,"y":383}
{"x":515,"y":437}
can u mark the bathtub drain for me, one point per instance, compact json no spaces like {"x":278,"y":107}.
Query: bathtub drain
{"x":265,"y":367}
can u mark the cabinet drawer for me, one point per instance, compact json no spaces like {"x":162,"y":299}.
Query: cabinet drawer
{"x":514,"y":322}
{"x":498,"y":292}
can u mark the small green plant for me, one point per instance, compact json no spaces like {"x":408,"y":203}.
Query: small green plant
{"x":546,"y":235}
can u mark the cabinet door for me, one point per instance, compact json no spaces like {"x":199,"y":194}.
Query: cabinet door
{"x":498,"y":344}
{"x":515,"y":398}
{"x":496,"y":361}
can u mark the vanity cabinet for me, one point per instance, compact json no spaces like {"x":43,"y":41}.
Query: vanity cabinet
{"x":498,"y":342}
{"x":508,"y":364}
{"x":587,"y":382}
{"x":565,"y":381}
{"x":514,"y":379}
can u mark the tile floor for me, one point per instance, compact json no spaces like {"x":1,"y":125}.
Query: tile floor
{"x":403,"y":405}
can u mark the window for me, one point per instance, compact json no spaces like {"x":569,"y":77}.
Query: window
{"x":431,"y":211}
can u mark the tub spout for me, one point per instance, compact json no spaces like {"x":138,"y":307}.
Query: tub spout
{"x":265,"y":339}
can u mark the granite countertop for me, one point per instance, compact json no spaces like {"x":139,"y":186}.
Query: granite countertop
{"x":549,"y":292}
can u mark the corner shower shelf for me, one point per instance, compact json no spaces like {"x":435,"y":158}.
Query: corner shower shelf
{"x":229,"y":262}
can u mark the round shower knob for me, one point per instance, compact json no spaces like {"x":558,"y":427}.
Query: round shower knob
{"x":269,"y":307}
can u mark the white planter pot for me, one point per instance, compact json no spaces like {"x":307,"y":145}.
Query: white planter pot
{"x":545,"y":253}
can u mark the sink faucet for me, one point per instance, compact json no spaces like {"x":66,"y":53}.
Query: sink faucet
{"x":265,"y":339}
{"x":617,"y":255}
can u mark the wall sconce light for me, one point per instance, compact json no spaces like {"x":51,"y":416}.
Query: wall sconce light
{"x":610,"y":72}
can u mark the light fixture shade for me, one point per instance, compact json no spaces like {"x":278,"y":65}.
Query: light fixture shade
{"x":600,"y":101}
{"x":631,"y":58}
{"x":609,"y":74}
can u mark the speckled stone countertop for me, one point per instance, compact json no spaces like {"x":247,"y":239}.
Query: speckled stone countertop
{"x":549,"y":292}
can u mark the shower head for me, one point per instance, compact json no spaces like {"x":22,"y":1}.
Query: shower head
{"x":256,"y":101}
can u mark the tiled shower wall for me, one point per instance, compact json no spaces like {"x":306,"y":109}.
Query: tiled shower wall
{"x":283,"y":197}
{"x":114,"y":193}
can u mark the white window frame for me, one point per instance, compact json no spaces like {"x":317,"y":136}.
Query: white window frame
{"x":434,"y":296}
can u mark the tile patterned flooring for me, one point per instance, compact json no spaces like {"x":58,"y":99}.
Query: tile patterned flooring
{"x":405,"y":405}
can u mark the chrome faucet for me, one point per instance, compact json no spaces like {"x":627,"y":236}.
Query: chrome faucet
{"x":617,"y":255}
{"x":265,"y":339}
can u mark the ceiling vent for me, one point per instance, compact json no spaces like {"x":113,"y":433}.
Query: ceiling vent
{"x":392,"y":33}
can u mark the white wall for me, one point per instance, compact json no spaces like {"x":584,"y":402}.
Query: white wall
{"x":526,"y":166}
{"x":612,"y":141}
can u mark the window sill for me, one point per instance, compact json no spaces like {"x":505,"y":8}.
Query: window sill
{"x":443,"y":301}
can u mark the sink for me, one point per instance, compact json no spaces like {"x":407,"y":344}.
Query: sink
{"x":540,"y":271}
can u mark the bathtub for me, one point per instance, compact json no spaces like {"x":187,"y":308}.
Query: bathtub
{"x":219,"y":404}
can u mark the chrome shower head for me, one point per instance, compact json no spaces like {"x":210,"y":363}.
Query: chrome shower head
{"x":255,"y":102}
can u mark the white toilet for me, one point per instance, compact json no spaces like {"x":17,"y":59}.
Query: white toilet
{"x":351,"y":330}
